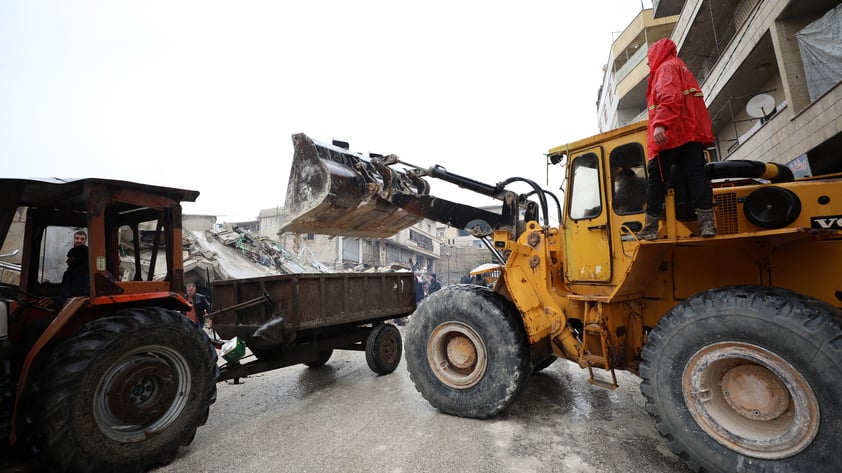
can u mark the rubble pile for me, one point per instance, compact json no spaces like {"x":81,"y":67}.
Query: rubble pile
{"x":230,"y":252}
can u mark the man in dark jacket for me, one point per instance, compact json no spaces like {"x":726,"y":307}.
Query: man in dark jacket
{"x":434,"y":284}
{"x":200,"y":306}
{"x":75,"y":281}
{"x":679,"y":130}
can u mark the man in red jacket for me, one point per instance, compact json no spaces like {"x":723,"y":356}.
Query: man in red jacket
{"x":679,"y":130}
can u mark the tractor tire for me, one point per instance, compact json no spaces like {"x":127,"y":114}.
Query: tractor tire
{"x":467,"y":352}
{"x":383,"y":348}
{"x":123,"y":393}
{"x":321,"y":359}
{"x":747,"y":378}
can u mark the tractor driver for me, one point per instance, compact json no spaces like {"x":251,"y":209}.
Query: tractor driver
{"x":74,"y":282}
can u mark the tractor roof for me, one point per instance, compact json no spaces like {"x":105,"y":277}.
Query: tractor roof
{"x":74,"y":195}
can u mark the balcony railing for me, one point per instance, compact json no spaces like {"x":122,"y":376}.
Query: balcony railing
{"x":635,"y":59}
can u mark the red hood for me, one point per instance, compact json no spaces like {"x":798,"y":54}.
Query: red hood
{"x":659,"y":52}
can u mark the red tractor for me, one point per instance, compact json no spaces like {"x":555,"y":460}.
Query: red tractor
{"x":113,"y":378}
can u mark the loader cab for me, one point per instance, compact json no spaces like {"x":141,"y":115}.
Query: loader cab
{"x":606,"y":200}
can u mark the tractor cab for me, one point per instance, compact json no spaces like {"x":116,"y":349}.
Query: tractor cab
{"x":133,"y":234}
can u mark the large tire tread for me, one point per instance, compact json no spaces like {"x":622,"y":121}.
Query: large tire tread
{"x":814,"y":331}
{"x":50,"y":421}
{"x":500,"y":325}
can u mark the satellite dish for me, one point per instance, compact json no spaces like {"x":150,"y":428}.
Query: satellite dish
{"x":760,"y":106}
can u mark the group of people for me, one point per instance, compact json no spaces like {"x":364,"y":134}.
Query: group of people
{"x":423,"y":290}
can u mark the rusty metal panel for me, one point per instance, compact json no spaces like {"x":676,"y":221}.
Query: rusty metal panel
{"x":312,"y":301}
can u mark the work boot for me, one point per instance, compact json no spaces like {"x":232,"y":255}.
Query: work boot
{"x":706,"y":227}
{"x":650,"y":228}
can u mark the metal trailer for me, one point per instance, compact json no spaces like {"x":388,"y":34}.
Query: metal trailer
{"x":301,"y":318}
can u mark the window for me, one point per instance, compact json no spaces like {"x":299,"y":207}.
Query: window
{"x":421,"y":240}
{"x":584,"y":187}
{"x":628,"y":179}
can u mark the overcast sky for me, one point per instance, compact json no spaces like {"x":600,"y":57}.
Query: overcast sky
{"x":205,"y":95}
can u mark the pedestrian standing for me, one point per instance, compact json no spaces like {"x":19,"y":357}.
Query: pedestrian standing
{"x":679,"y":130}
{"x":199,"y":306}
{"x":434,"y":284}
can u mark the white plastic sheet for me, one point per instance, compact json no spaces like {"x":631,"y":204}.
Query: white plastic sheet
{"x":821,"y":52}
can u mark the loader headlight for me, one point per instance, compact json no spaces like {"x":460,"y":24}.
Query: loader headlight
{"x":772,"y":207}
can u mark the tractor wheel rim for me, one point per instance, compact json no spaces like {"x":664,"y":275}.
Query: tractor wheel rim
{"x":457,"y":355}
{"x":750,"y":400}
{"x":142,"y":393}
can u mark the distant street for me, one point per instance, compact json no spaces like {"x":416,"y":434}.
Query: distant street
{"x":344,"y":418}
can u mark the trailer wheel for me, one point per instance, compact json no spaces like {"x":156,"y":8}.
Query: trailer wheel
{"x":383,"y":348}
{"x":747,"y":379}
{"x":467,"y":353}
{"x":321,"y":359}
{"x":123,"y":393}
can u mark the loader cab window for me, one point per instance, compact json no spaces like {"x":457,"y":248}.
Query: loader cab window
{"x":584,"y":187}
{"x":628,"y":179}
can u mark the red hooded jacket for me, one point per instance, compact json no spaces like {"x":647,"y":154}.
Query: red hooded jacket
{"x":675,"y":101}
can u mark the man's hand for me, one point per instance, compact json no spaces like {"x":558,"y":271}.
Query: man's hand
{"x":659,"y":135}
{"x":44,"y":302}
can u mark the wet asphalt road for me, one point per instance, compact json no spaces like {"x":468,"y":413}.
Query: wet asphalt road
{"x":344,"y":418}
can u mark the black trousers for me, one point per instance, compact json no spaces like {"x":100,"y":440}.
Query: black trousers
{"x":689,"y":161}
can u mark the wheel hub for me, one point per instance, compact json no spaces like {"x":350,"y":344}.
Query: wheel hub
{"x":141,"y":391}
{"x":457,"y":355}
{"x":461,"y":353}
{"x":750,"y":400}
{"x":754,"y":392}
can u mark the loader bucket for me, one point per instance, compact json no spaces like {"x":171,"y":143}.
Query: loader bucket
{"x":332,"y":191}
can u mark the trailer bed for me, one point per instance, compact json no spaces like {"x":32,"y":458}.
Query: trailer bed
{"x":301,"y":318}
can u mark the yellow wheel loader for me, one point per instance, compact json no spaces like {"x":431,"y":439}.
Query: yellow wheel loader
{"x":736,"y":338}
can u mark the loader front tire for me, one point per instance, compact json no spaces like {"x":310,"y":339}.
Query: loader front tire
{"x":748,"y":379}
{"x":467,"y":353}
{"x":123,"y":393}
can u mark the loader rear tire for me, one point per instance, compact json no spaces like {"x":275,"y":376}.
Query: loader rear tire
{"x":123,"y":393}
{"x":383,"y":348}
{"x":748,"y":379}
{"x":467,"y":353}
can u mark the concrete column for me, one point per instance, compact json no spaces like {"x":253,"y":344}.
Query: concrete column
{"x":788,"y":56}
